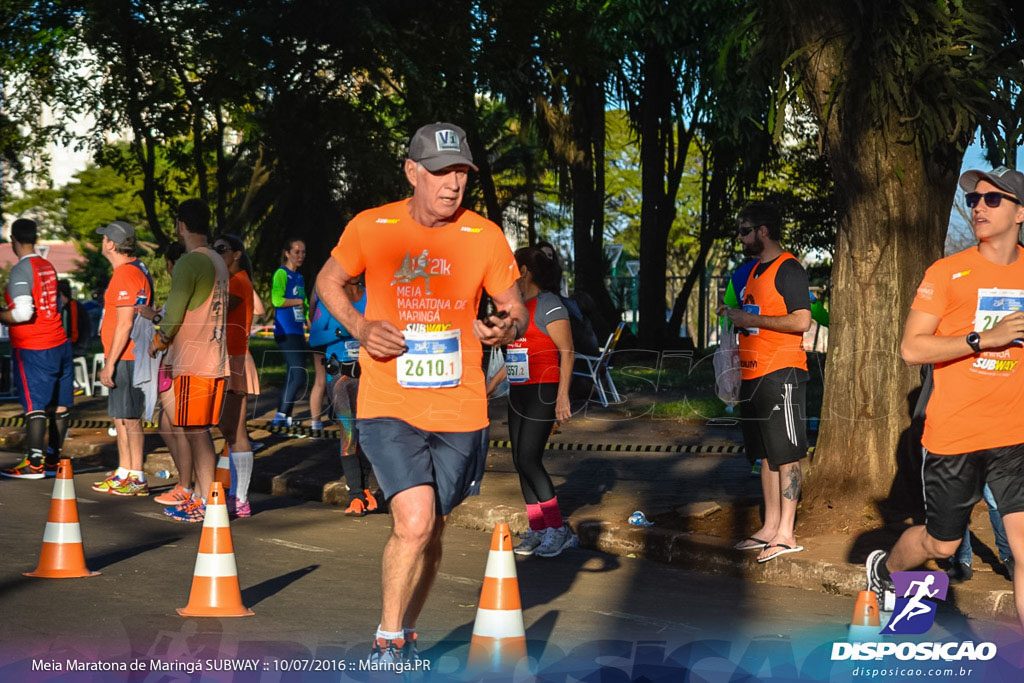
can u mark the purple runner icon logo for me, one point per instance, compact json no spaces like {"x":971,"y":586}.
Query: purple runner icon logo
{"x":916,"y":601}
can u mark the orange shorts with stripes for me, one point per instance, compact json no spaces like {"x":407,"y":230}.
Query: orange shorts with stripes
{"x":197,"y":400}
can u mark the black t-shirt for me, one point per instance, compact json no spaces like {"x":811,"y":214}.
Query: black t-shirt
{"x":791,"y":282}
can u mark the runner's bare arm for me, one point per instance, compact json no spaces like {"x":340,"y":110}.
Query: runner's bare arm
{"x":503,"y":330}
{"x":380,"y":338}
{"x":797,"y":321}
{"x":921,"y":345}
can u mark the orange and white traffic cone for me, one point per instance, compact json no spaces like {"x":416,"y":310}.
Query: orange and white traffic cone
{"x":62,"y":556}
{"x":223,"y":473}
{"x":865,"y":625}
{"x":215,"y":591}
{"x":499,"y":637}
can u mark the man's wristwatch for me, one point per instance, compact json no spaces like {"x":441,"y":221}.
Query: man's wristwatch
{"x":974,"y":341}
{"x":157,"y":318}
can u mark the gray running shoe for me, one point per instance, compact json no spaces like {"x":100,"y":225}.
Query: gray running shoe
{"x":531,"y":539}
{"x":555,"y":541}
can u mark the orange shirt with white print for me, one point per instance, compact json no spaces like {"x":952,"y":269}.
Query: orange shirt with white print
{"x":426,"y":280}
{"x":977,"y":398}
{"x":128,"y":287}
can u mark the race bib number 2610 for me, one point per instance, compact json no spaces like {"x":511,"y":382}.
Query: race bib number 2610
{"x":433,"y":361}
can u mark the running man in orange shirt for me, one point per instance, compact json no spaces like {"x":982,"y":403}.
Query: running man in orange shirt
{"x":967,"y":320}
{"x":422,"y":408}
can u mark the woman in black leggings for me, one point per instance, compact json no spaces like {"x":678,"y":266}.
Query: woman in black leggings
{"x":538,"y":367}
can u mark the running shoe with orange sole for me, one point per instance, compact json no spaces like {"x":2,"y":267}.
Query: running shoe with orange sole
{"x":175,"y":496}
{"x":25,"y":470}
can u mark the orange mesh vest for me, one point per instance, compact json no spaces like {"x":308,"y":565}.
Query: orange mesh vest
{"x":765,"y":351}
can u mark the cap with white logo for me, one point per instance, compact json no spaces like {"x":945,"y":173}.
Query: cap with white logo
{"x":439,"y":145}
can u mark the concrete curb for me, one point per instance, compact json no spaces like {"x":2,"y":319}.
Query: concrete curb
{"x":681,"y":549}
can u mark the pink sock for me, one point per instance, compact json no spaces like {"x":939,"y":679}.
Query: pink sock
{"x":536,"y":517}
{"x":552,"y":515}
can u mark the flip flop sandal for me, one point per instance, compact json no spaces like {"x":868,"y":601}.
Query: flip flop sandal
{"x":785,"y":550}
{"x":757,"y":544}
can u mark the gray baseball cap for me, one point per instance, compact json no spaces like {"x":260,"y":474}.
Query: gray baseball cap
{"x":117,"y":232}
{"x":1002,"y":177}
{"x":439,"y":145}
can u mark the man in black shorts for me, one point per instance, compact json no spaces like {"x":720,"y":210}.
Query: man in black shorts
{"x":775,"y":314}
{"x":422,"y":409}
{"x":967,"y":320}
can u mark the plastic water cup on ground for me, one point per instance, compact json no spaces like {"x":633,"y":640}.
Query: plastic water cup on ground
{"x":639,"y":519}
{"x":163,"y":474}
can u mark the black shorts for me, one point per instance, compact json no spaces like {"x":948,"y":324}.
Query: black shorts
{"x":953,"y":484}
{"x":773,"y":412}
{"x":404,"y":456}
{"x":125,"y":401}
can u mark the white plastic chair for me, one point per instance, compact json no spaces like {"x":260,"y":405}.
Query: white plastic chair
{"x":82,"y":374}
{"x":598,"y":370}
{"x":98,"y":361}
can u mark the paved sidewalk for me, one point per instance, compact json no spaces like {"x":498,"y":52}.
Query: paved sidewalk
{"x":683,"y":493}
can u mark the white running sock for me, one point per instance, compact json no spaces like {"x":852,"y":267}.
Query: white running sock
{"x":122,"y":473}
{"x":241,"y":474}
{"x":389,"y":635}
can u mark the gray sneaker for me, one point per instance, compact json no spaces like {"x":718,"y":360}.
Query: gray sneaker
{"x":555,"y":541}
{"x":531,"y":539}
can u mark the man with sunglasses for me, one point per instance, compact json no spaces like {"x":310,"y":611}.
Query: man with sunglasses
{"x":775,"y":313}
{"x":967,"y":320}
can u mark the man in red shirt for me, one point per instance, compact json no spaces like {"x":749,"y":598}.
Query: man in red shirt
{"x":130,"y":286}
{"x":42,"y":354}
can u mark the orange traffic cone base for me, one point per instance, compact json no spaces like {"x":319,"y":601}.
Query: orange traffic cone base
{"x":215,"y":590}
{"x":62,"y":555}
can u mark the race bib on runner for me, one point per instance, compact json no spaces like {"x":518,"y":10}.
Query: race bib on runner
{"x":433,"y":361}
{"x":517,"y":365}
{"x":351,"y":351}
{"x":753,"y":309}
{"x":297,"y":314}
{"x":994,"y":305}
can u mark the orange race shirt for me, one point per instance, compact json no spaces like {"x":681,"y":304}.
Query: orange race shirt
{"x":128,"y":287}
{"x":427,"y":282}
{"x":978,"y":398}
{"x":240,"y":318}
{"x":765,"y":351}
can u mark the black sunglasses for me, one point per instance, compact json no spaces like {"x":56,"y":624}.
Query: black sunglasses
{"x":745,"y":230}
{"x":992,"y":199}
{"x":222,"y":248}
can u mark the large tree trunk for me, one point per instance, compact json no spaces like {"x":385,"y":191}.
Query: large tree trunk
{"x":655,"y":113}
{"x":894,"y":204}
{"x":892,"y":226}
{"x":586,"y":173}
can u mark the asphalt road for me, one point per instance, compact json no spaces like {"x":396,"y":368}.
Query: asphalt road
{"x":312,"y":577}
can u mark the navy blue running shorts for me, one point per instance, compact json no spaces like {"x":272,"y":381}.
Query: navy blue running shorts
{"x":44,"y":377}
{"x":404,"y":456}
